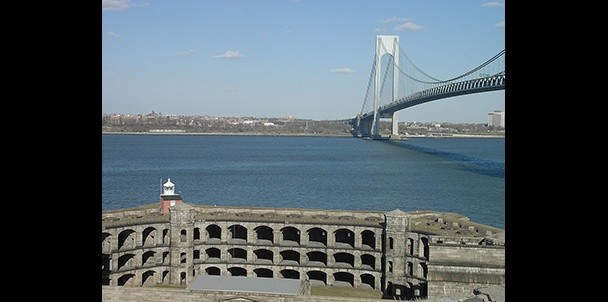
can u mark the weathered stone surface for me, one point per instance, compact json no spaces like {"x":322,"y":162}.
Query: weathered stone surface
{"x":407,"y":255}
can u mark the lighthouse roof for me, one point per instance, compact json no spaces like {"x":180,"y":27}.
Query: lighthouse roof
{"x":168,"y":183}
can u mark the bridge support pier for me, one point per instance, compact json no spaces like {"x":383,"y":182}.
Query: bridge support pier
{"x":395,"y":127}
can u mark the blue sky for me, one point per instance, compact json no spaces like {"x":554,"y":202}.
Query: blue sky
{"x":272,"y":58}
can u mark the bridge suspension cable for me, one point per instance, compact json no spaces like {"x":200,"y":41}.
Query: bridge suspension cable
{"x":402,"y":52}
{"x":369,"y":85}
{"x":420,"y":80}
{"x":484,"y":64}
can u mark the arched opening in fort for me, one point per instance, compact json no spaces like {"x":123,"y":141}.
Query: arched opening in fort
{"x":410,"y":268}
{"x":344,"y":238}
{"x":423,"y":290}
{"x":126,"y":261}
{"x":263,"y":273}
{"x":263,"y":256}
{"x":182,"y":278}
{"x":213,"y":254}
{"x":368,"y":239}
{"x":425,"y":244}
{"x":290,"y":257}
{"x":390,"y":243}
{"x":317,"y":259}
{"x":344,"y":279}
{"x":237,"y":254}
{"x":165,"y":257}
{"x":291,"y":236}
{"x":147,"y":278}
{"x":183,"y":236}
{"x":126,"y":239}
{"x":390,"y":290}
{"x":407,"y":291}
{"x":166,"y":237}
{"x":214,"y":233}
{"x":196,"y":234}
{"x":148,"y":236}
{"x":165,"y":277}
{"x":368,"y":261}
{"x":410,"y":246}
{"x":126,"y":279}
{"x":317,"y":237}
{"x":148,"y":258}
{"x":290,"y":274}
{"x":213,"y":271}
{"x":400,"y":292}
{"x":183,"y":257}
{"x":106,"y":246}
{"x":105,"y":269}
{"x":424,"y":269}
{"x":196,"y":254}
{"x":390,"y":266}
{"x":238,"y":233}
{"x":368,"y":281}
{"x":344,"y":260}
{"x":317,"y":277}
{"x":237,"y":271}
{"x":265,"y":235}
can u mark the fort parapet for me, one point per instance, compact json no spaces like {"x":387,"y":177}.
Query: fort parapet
{"x":406,"y":255}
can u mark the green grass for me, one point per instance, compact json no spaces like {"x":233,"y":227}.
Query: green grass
{"x":170,"y":286}
{"x":345,"y":292}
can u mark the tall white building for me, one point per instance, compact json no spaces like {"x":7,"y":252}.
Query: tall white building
{"x":496,"y":118}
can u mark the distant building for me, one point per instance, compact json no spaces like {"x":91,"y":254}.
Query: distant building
{"x":496,"y":119}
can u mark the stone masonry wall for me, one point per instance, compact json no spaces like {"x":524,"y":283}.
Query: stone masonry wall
{"x":141,"y":247}
{"x":475,"y":255}
{"x":462,"y":268}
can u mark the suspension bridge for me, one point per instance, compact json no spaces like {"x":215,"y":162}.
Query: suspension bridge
{"x":411,"y":86}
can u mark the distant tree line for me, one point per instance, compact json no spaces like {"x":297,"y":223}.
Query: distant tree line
{"x":204,"y":124}
{"x":154,"y":122}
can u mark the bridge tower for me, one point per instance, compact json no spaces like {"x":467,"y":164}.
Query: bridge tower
{"x":386,"y":45}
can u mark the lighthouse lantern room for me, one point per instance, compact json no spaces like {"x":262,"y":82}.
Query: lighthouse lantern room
{"x":168,"y":197}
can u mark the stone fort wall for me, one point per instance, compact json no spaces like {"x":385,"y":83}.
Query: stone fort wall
{"x":404,"y":255}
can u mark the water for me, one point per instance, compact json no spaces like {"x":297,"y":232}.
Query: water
{"x":459,"y":175}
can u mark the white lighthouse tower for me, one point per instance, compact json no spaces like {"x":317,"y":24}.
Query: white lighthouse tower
{"x":168,"y":197}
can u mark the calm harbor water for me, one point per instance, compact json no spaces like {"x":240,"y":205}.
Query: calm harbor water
{"x":462,"y":175}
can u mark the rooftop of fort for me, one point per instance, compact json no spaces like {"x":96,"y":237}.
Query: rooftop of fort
{"x":444,"y":224}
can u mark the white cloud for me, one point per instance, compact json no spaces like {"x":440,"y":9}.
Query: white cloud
{"x":119,"y":4}
{"x":408,"y":26}
{"x":115,"y":4}
{"x":187,"y":53}
{"x":494,"y":4}
{"x":342,"y":70}
{"x":230,"y":54}
{"x":112,"y":34}
{"x":393,"y":20}
{"x":500,"y":24}
{"x":379,"y":30}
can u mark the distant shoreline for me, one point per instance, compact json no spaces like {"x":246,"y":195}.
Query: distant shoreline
{"x":297,"y":134}
{"x":226,"y":134}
